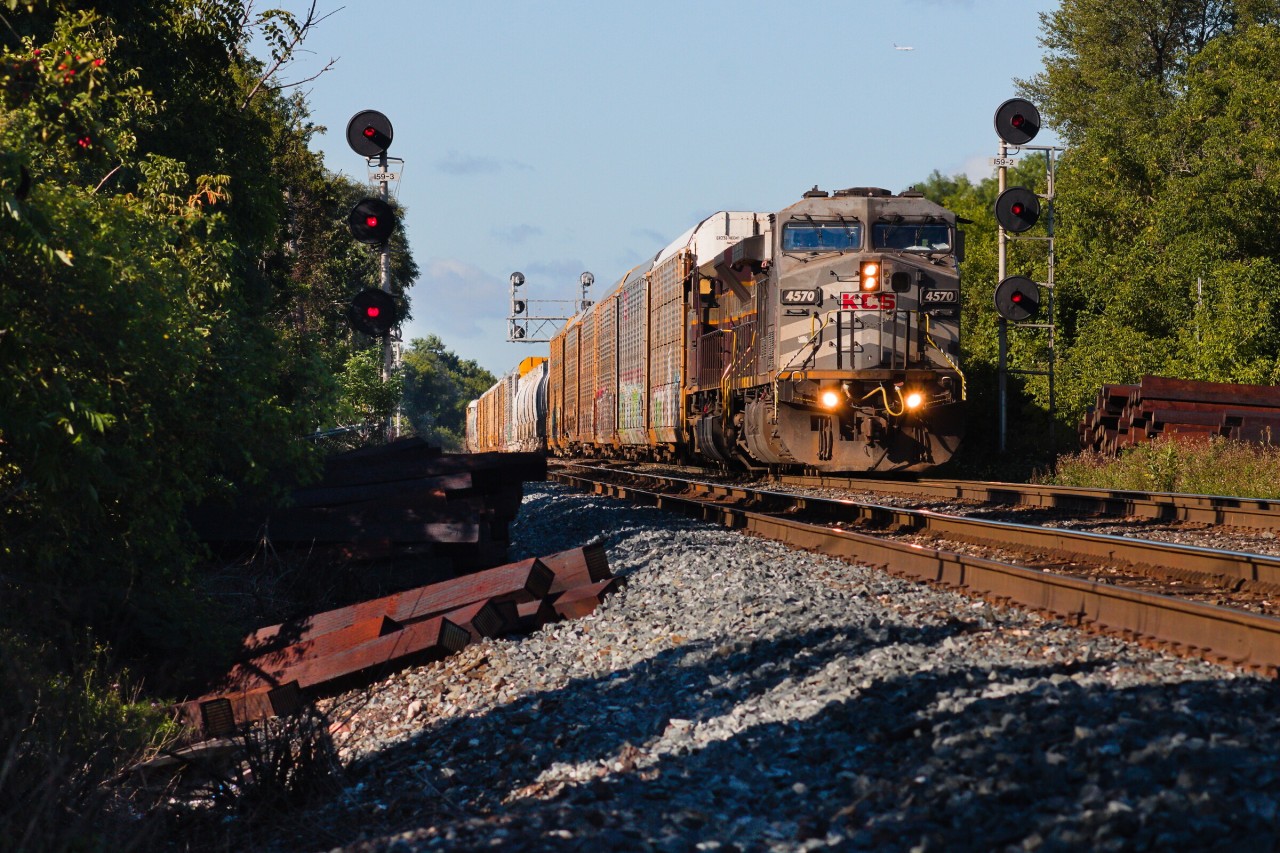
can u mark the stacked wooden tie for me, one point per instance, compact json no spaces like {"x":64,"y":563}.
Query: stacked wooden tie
{"x":1182,"y":409}
{"x":284,"y":665}
{"x":401,"y":499}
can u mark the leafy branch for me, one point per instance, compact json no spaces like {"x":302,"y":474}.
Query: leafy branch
{"x":283,"y":32}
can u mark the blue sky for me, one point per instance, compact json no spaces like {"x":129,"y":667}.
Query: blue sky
{"x":570,"y":135}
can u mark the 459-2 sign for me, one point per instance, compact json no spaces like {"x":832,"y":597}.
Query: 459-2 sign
{"x":858,"y":301}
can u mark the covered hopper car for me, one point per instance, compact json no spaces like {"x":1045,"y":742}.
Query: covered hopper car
{"x":512,"y":415}
{"x":825,"y":336}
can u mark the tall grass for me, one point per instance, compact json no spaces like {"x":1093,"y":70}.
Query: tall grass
{"x":64,"y":740}
{"x":1217,"y":466}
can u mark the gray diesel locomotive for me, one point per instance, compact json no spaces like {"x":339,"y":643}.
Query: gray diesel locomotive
{"x":825,"y":336}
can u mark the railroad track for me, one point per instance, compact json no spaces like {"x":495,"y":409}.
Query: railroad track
{"x":1216,"y":604}
{"x":1254,"y":513}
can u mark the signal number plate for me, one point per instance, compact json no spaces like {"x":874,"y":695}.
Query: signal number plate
{"x":802,"y":297}
{"x":940,"y":297}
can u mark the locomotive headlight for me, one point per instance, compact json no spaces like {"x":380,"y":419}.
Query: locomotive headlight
{"x":830,"y":398}
{"x":913,"y":400}
{"x":869,"y":274}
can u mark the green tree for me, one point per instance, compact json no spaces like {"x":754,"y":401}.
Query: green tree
{"x":366,"y":399}
{"x":173,"y":276}
{"x":1163,"y":260}
{"x":176,"y":271}
{"x":438,"y":387}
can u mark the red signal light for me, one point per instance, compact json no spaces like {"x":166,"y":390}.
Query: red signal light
{"x":372,"y":312}
{"x":372,"y":221}
{"x":369,"y":133}
{"x":1017,"y":299}
{"x":1017,"y":209}
{"x":1017,"y":121}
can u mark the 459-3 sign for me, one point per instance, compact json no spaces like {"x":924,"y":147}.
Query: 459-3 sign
{"x":858,"y":301}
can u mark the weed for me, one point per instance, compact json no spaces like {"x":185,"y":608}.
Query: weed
{"x":247,"y":783}
{"x":62,"y":740}
{"x":1218,"y":466}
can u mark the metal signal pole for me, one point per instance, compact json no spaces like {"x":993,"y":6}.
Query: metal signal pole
{"x":1017,"y":298}
{"x":373,"y":221}
{"x":1003,"y":333}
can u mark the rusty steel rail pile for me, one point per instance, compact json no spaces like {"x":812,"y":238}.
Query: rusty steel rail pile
{"x":402,"y":499}
{"x":283,"y":665}
{"x":1186,"y":410}
{"x":1214,"y":632}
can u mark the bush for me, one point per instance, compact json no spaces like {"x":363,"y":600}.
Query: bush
{"x":1218,"y":466}
{"x":65,"y":739}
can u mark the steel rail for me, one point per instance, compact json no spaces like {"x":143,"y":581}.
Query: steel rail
{"x":1059,"y":543}
{"x":1257,"y":513}
{"x":1211,"y":631}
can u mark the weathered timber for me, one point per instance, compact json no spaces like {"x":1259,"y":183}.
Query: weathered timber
{"x":417,"y":642}
{"x":583,"y":600}
{"x":517,"y":467}
{"x":1241,"y":396}
{"x":523,"y":581}
{"x":447,"y":523}
{"x":532,"y":615}
{"x":578,"y":566}
{"x":1180,"y":409}
{"x":262,"y":693}
{"x":486,"y":618}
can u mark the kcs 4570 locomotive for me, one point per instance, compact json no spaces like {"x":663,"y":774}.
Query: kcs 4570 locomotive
{"x":825,"y":336}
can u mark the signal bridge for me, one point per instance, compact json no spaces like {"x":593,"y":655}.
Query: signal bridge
{"x":528,"y":324}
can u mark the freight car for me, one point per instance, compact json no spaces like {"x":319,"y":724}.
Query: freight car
{"x":824,"y":336}
{"x":512,"y":415}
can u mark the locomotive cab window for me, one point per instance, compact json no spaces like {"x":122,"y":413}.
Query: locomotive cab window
{"x":912,"y":236}
{"x":805,"y":236}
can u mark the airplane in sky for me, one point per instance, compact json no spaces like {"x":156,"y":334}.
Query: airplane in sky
{"x":897,"y":46}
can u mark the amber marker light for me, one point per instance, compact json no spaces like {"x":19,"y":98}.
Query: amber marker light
{"x":830,"y":399}
{"x":913,"y":400}
{"x":869,"y":274}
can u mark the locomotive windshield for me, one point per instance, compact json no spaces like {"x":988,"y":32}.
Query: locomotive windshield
{"x":810,"y":236}
{"x":912,"y":236}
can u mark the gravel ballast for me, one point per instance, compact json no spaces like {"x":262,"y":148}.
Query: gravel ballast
{"x":738,"y":695}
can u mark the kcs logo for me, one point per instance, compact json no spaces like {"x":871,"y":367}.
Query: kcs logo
{"x":868,"y":301}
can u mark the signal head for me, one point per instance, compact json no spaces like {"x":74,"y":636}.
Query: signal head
{"x":372,"y":312}
{"x":369,"y":133}
{"x":1017,"y":121}
{"x":1017,"y":209}
{"x":371,"y":221}
{"x":1017,"y":299}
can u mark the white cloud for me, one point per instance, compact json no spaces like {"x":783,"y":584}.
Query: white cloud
{"x":978,"y":167}
{"x":457,"y":163}
{"x":453,"y":299}
{"x":516,"y":234}
{"x":556,"y":275}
